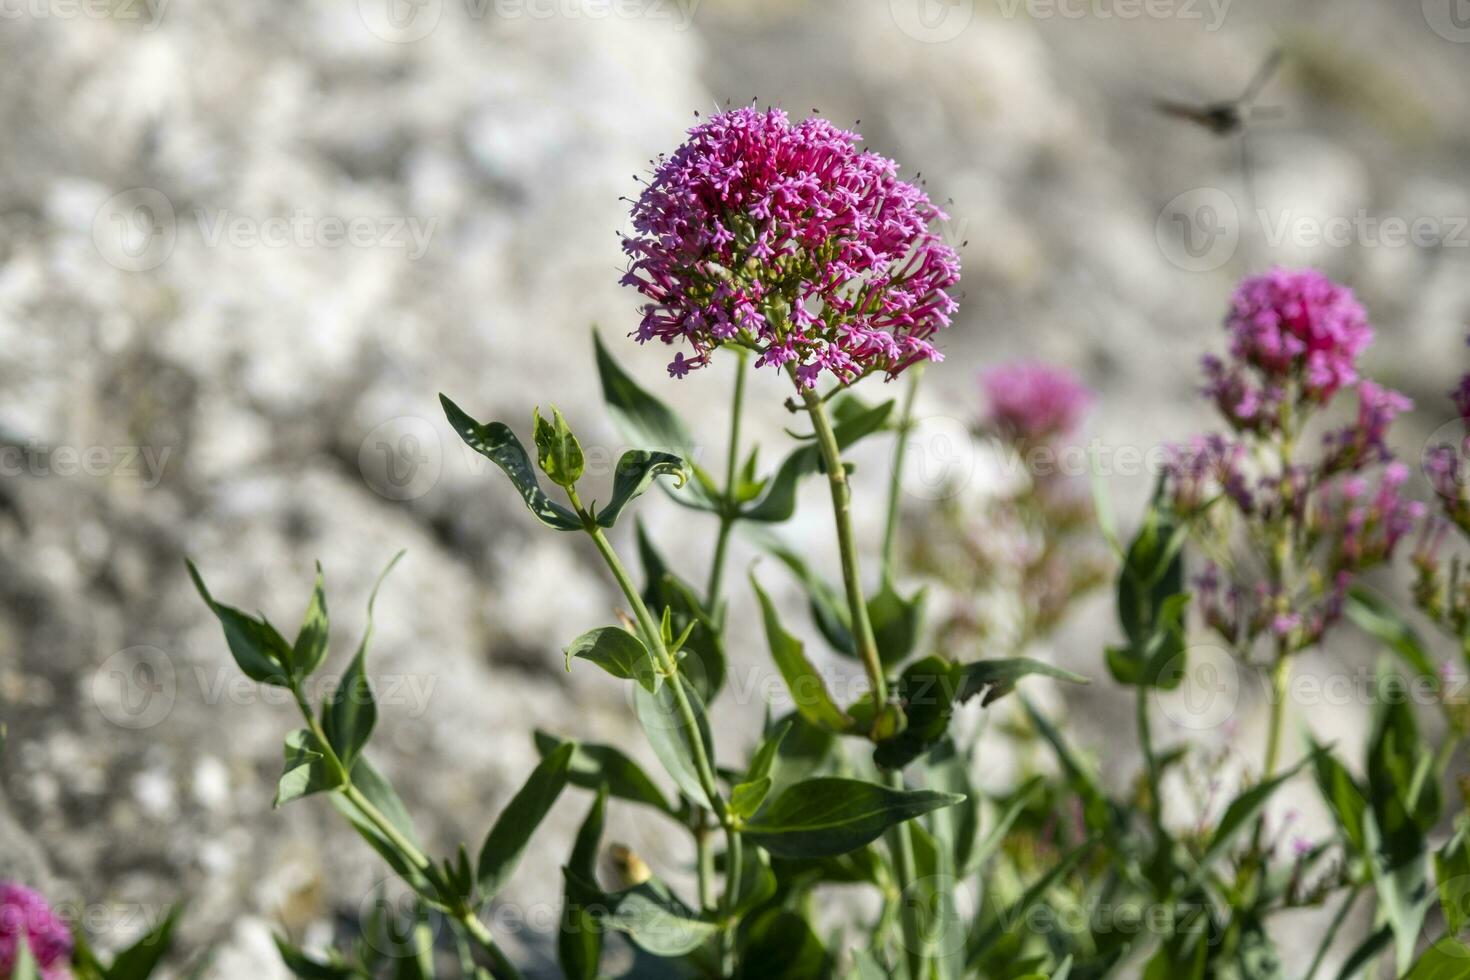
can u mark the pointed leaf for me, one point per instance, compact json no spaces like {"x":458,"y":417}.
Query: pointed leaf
{"x":310,"y":648}
{"x":595,"y":765}
{"x":808,"y":690}
{"x":616,"y":651}
{"x":507,"y":840}
{"x":557,"y":451}
{"x":348,"y":718}
{"x":829,"y":815}
{"x":498,"y":444}
{"x":656,"y":920}
{"x":306,"y":771}
{"x":260,"y":651}
{"x":778,"y":502}
{"x":747,"y":797}
{"x":139,"y":960}
{"x":579,"y":940}
{"x":636,"y":471}
{"x":998,"y":677}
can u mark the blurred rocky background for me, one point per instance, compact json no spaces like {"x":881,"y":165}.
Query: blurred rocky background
{"x":243,"y":247}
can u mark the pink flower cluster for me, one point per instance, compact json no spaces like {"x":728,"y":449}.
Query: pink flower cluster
{"x":24,"y":912}
{"x":1294,"y":335}
{"x":788,"y":239}
{"x":1032,"y":401}
{"x":1295,"y":340}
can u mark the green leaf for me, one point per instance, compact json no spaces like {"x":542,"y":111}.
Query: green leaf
{"x":595,"y":765}
{"x":310,"y":648}
{"x":780,"y":945}
{"x":1152,"y":575}
{"x":897,"y":621}
{"x":830,"y":815}
{"x":648,"y":423}
{"x":1097,"y":809}
{"x":926,"y":691}
{"x":1378,"y":618}
{"x":306,"y":770}
{"x":1402,"y":885}
{"x":1342,"y":795}
{"x":808,"y":690}
{"x":618,"y":652}
{"x":946,"y":768}
{"x":1447,"y":959}
{"x":1452,"y":878}
{"x":380,"y":793}
{"x":1243,"y":811}
{"x":308,"y":968}
{"x":747,"y":797}
{"x":705,"y":665}
{"x":636,"y":471}
{"x":348,"y":718}
{"x":655,"y":920}
{"x":757,"y":881}
{"x":778,"y":502}
{"x":557,"y":451}
{"x":507,"y":840}
{"x":766,"y":753}
{"x":579,"y":940}
{"x":932,"y":896}
{"x":997,"y":678}
{"x":139,"y":960}
{"x":260,"y":651}
{"x":498,"y":444}
{"x":670,"y":735}
{"x":1014,"y":915}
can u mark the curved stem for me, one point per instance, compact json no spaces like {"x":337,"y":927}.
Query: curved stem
{"x":465,"y":916}
{"x":862,"y":627}
{"x":1280,"y":678}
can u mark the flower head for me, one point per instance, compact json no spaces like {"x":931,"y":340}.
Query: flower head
{"x":24,"y":912}
{"x":1293,"y":328}
{"x":1032,"y":401}
{"x":1363,"y":443}
{"x":789,"y":239}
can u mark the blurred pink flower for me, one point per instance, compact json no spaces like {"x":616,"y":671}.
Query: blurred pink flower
{"x":24,"y":912}
{"x":789,"y":239}
{"x":1031,"y":400}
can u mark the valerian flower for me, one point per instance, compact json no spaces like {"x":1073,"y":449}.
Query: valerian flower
{"x":1312,"y":524}
{"x":789,"y":240}
{"x":1031,"y":401}
{"x":24,"y":912}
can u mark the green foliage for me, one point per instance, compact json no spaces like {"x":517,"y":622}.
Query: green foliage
{"x":827,"y":815}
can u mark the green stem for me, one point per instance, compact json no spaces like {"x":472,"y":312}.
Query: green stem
{"x":465,"y":916}
{"x":705,"y":865}
{"x":727,"y":502}
{"x":1331,"y":933}
{"x":1280,"y":678}
{"x":901,"y":845}
{"x":1150,"y":760}
{"x":862,"y":628}
{"x":895,"y":477}
{"x":664,"y":662}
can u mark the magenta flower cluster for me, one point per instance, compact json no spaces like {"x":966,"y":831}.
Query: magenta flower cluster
{"x":1295,"y":336}
{"x":788,"y":239}
{"x":24,"y":912}
{"x":1295,"y":340}
{"x":1032,"y":401}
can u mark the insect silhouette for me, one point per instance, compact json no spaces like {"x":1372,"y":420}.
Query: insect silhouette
{"x":1225,"y":118}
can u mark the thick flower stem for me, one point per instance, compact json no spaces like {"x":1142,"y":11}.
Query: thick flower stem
{"x":727,"y":502}
{"x":1280,"y":679}
{"x":501,"y":966}
{"x":664,"y":662}
{"x":862,"y":627}
{"x":901,"y":844}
